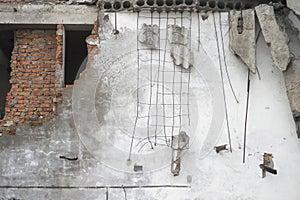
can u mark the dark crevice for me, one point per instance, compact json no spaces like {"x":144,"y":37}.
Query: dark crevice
{"x":6,"y":48}
{"x":76,"y":54}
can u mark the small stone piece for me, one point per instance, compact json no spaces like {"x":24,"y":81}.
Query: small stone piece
{"x":243,"y":43}
{"x":275,"y":38}
{"x":149,"y":36}
{"x":137,"y":168}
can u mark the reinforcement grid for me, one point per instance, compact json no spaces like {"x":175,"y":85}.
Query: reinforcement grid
{"x":163,"y":102}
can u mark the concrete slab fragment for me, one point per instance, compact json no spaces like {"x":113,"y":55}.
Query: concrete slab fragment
{"x":274,"y":36}
{"x":243,"y":43}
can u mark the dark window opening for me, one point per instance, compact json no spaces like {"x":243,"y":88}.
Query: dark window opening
{"x":75,"y":54}
{"x":6,"y":48}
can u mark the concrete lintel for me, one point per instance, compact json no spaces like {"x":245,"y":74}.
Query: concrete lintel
{"x":47,"y":14}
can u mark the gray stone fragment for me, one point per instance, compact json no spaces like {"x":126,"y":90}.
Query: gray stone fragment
{"x":275,"y":38}
{"x":149,"y":36}
{"x":243,"y":44}
{"x":178,"y":38}
{"x":294,"y":5}
{"x":292,"y":77}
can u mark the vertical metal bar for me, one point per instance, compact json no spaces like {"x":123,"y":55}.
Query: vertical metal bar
{"x":150,"y":100}
{"x":223,"y":86}
{"x":199,"y":24}
{"x":181,"y":73}
{"x":137,"y":92}
{"x":246,"y":116}
{"x":163,"y":80}
{"x":157,"y":82}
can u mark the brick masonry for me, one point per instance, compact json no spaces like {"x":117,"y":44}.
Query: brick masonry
{"x":35,"y":91}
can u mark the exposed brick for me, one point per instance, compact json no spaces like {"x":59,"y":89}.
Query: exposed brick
{"x":33,"y":63}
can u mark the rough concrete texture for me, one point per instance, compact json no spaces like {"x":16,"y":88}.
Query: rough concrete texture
{"x":274,"y":36}
{"x":243,"y":44}
{"x":294,"y":5}
{"x":47,"y":14}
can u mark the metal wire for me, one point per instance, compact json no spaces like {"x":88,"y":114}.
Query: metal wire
{"x":148,"y":121}
{"x":223,"y":87}
{"x":138,"y":83}
{"x":225,"y":62}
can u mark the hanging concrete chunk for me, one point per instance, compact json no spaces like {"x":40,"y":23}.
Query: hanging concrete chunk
{"x":242,"y":37}
{"x":149,"y":36}
{"x":294,"y":5}
{"x":275,"y":38}
{"x":178,"y":38}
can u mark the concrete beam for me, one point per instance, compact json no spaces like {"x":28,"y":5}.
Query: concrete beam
{"x":47,"y":14}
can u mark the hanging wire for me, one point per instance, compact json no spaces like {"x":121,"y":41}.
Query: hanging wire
{"x":151,"y":62}
{"x":180,"y":97}
{"x":199,"y":29}
{"x":225,"y":62}
{"x":163,"y":79}
{"x":246,"y":116}
{"x":137,"y":92}
{"x":223,"y":87}
{"x":157,"y":81}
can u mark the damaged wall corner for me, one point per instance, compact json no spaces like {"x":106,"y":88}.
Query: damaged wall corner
{"x":243,"y":43}
{"x":93,"y":47}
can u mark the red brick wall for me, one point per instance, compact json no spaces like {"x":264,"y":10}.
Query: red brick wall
{"x":34,"y":93}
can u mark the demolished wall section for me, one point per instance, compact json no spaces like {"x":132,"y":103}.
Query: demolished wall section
{"x":34,"y":95}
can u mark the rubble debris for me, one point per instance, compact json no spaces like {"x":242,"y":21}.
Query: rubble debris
{"x":69,"y":158}
{"x":137,"y":168}
{"x":179,"y":143}
{"x":178,"y":38}
{"x":242,"y":37}
{"x":220,"y":148}
{"x":277,"y":42}
{"x":268,"y":165}
{"x":149,"y":36}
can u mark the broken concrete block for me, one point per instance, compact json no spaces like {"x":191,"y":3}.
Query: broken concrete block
{"x":178,"y":35}
{"x":178,"y":38}
{"x":149,"y":36}
{"x":243,"y":43}
{"x":275,"y":38}
{"x":294,"y":5}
